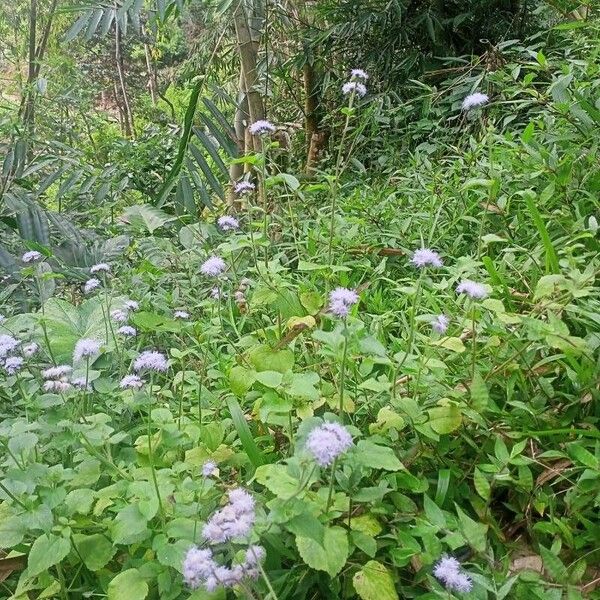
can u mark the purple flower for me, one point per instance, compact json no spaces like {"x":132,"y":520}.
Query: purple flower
{"x":7,"y":344}
{"x":327,"y":442}
{"x":425,"y":257}
{"x":234,"y":520}
{"x":13,"y":364}
{"x":449,"y":572}
{"x":227,"y":223}
{"x":244,"y":187}
{"x":57,"y":386}
{"x":131,"y":382}
{"x":261,"y":127}
{"x":198,"y":565}
{"x":131,"y":305}
{"x":181,"y":314}
{"x":30,"y":349}
{"x":472,"y":289}
{"x":341,"y":301}
{"x":81,"y":383}
{"x":118,"y":315}
{"x":475,"y":100}
{"x":354,"y":87}
{"x":213,"y":266}
{"x":216,"y":294}
{"x":91,"y":285}
{"x":150,"y":360}
{"x":57,"y":372}
{"x":31,"y":256}
{"x":209,"y":468}
{"x":85,"y":348}
{"x":359,"y":74}
{"x":127,"y":331}
{"x":2,"y":318}
{"x":100,"y":268}
{"x":440,"y":324}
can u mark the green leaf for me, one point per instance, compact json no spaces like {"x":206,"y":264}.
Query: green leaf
{"x":445,"y":419}
{"x":374,"y":582}
{"x":254,"y":454}
{"x":263,"y":358}
{"x":144,"y":216}
{"x":270,"y":379}
{"x":129,"y":526}
{"x":450,"y":343}
{"x":329,"y":557}
{"x":583,"y":456}
{"x":480,"y":397}
{"x":365,"y":542}
{"x":96,"y":550}
{"x":387,"y":419}
{"x":377,"y":457}
{"x":475,"y":533}
{"x":128,"y":585}
{"x":47,"y":551}
{"x":553,"y":565}
{"x":481,"y":484}
{"x":276,"y":479}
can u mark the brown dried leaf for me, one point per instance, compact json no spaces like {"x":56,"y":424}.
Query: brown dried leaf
{"x":553,"y":471}
{"x":531,"y":562}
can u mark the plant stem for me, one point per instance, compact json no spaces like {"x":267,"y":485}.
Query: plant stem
{"x":151,"y":458}
{"x":267,"y":581}
{"x":331,"y":481}
{"x":343,"y":369}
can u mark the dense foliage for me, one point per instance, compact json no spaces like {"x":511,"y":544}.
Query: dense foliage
{"x":228,"y":370}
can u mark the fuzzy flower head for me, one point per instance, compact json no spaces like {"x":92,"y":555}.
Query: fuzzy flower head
{"x":13,"y":364}
{"x":472,"y":289}
{"x":57,"y":372}
{"x":30,"y":349}
{"x":475,"y":100}
{"x":198,"y":565}
{"x":81,"y":383}
{"x":60,"y":387}
{"x":131,"y":382}
{"x":327,"y":442}
{"x":213,"y":266}
{"x":354,"y":87}
{"x":127,"y":331}
{"x":209,"y":468}
{"x":440,"y":324}
{"x":341,"y":301}
{"x":227,"y":223}
{"x":131,"y":305}
{"x":91,"y":285}
{"x":359,"y":74}
{"x":261,"y":127}
{"x":244,"y":187}
{"x":7,"y":344}
{"x":150,"y":360}
{"x":2,"y":318}
{"x":449,"y":572}
{"x":100,"y":268}
{"x":234,"y":520}
{"x":118,"y":315}
{"x":216,"y":294}
{"x":86,"y":348}
{"x":31,"y":256}
{"x":424,"y":257}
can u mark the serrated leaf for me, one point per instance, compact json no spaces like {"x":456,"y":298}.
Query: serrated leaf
{"x":480,"y":397}
{"x":445,"y":419}
{"x":329,"y":557}
{"x":374,"y":582}
{"x":375,"y":456}
{"x":47,"y":551}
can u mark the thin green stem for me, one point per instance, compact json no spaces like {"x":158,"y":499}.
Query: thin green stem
{"x":343,"y":369}
{"x":331,"y":481}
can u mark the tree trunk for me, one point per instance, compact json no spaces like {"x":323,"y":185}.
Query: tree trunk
{"x":29,"y":106}
{"x":129,"y":128}
{"x":247,"y":29}
{"x":236,"y":170}
{"x":150,"y":66}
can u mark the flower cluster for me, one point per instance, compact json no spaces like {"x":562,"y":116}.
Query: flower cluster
{"x":127,"y":331}
{"x":131,"y":382}
{"x":31,"y":256}
{"x":7,"y":344}
{"x":475,"y":100}
{"x":91,"y":285}
{"x":213,"y":266}
{"x":440,"y":324}
{"x":209,"y":468}
{"x":228,"y":223}
{"x":86,"y":348}
{"x":234,"y":520}
{"x":341,"y":301}
{"x":327,"y":442}
{"x":424,"y":257}
{"x":100,"y":268}
{"x":13,"y":364}
{"x":201,"y":569}
{"x":474,"y":290}
{"x":57,"y":379}
{"x":181,"y":314}
{"x":449,"y":572}
{"x":244,"y":187}
{"x":150,"y":360}
{"x":354,"y":87}
{"x":261,"y":127}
